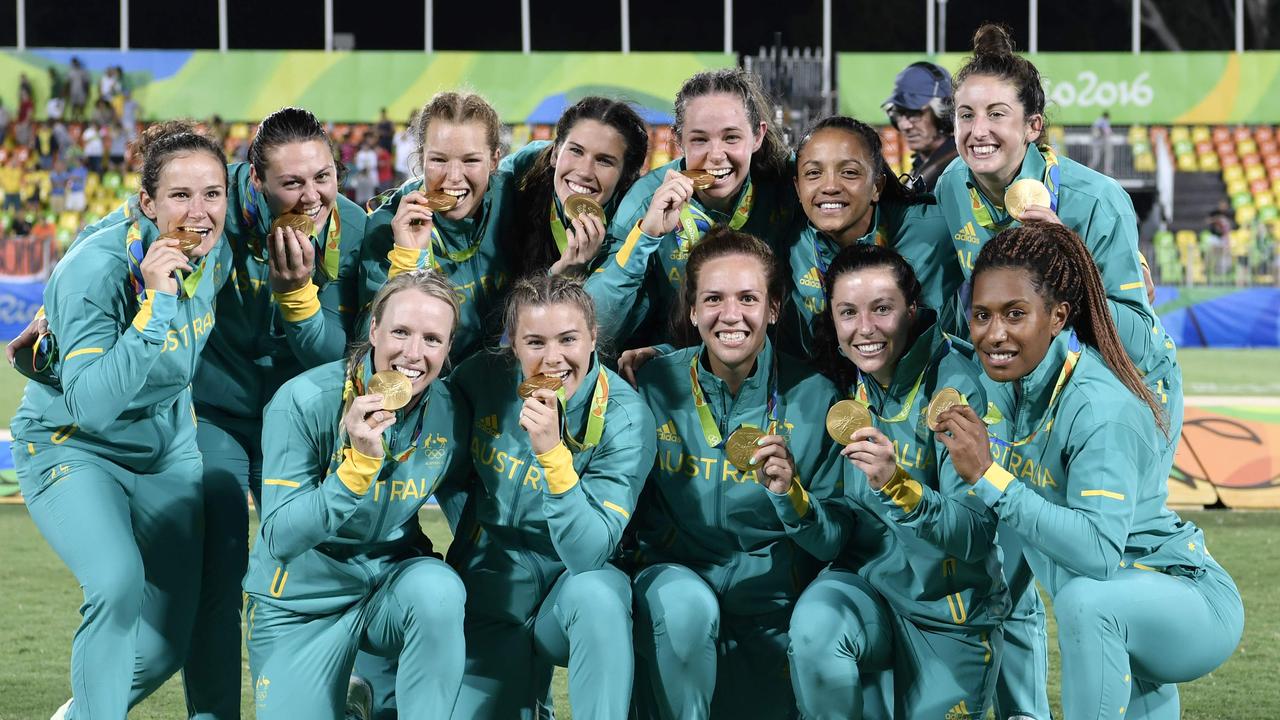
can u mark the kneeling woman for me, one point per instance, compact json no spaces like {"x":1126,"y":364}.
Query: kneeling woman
{"x":340,"y":563}
{"x":736,"y":519}
{"x":560,"y":448}
{"x":918,"y":590}
{"x":1140,"y":603}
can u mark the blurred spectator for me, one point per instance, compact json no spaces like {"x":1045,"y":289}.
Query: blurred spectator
{"x":386,"y":173}
{"x":77,"y":89}
{"x":117,"y":97}
{"x":58,"y":181}
{"x":103,"y":113}
{"x":366,"y":174}
{"x":119,"y":143}
{"x":26,"y":99}
{"x":921,"y":109}
{"x":217,"y":129}
{"x":66,"y":146}
{"x":91,"y":141}
{"x":4,"y":121}
{"x":405,"y":145}
{"x":386,"y":131}
{"x":1220,"y":224}
{"x":77,"y":177}
{"x":45,"y":146}
{"x":129,"y":116}
{"x":23,"y":135}
{"x":57,"y":102}
{"x":108,"y":85}
{"x":1100,"y":157}
{"x":11,"y":184}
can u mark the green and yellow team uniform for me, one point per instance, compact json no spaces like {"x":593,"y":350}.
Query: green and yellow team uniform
{"x":918,"y":232}
{"x":1139,"y":602}
{"x":534,"y":544}
{"x":721,"y":559}
{"x":637,"y":283}
{"x":918,"y":590}
{"x":108,"y":461}
{"x":261,"y":339}
{"x":468,"y":251}
{"x":1101,"y":213}
{"x":341,"y":564}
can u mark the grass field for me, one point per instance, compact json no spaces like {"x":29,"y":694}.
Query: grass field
{"x":40,"y":598}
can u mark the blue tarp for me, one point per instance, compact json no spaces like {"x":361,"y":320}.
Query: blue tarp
{"x":18,"y":304}
{"x":1249,"y":317}
{"x":548,"y":112}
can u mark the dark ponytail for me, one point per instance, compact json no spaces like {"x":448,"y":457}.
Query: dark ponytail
{"x":160,"y":142}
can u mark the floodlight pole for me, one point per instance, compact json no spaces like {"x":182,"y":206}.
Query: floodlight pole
{"x":222,"y":25}
{"x":22,"y":24}
{"x":526,"y":43}
{"x":624,"y":11}
{"x":1033,"y":24}
{"x":930,"y":27}
{"x":328,"y":25}
{"x":728,"y":26}
{"x":428,"y":32}
{"x":1239,"y":26}
{"x":1136,"y":26}
{"x":124,"y":24}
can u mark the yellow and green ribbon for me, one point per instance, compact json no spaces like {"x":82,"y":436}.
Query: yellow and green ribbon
{"x":595,"y":416}
{"x":694,"y":222}
{"x":1052,"y":179}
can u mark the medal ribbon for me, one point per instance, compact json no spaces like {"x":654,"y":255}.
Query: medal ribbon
{"x":710,"y":429}
{"x":557,"y":227}
{"x":861,"y":396}
{"x":595,"y":417}
{"x":695,"y":222}
{"x":1052,"y":178}
{"x":329,"y":251}
{"x":1068,"y":367}
{"x":133,"y":248}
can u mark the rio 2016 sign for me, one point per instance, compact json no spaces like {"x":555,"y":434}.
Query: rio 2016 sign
{"x":1151,"y":88}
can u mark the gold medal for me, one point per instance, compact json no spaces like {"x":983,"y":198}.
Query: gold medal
{"x":1024,"y":192}
{"x":538,"y":382}
{"x":741,"y":446}
{"x":945,"y":399}
{"x":440,"y":201}
{"x":701,"y":178}
{"x":188,"y":242}
{"x":577,"y":205}
{"x":301,"y":224}
{"x":846,"y":418}
{"x":396,"y":389}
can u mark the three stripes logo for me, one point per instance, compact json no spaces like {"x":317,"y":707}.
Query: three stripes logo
{"x":967,"y":234}
{"x":489,"y":424}
{"x":667,"y":432}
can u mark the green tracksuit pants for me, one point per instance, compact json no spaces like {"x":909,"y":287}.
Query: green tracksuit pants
{"x":232,"y":466}
{"x":133,"y":542}
{"x":300,"y":663}
{"x":695,"y":661}
{"x":844,"y":634}
{"x":1127,"y":640}
{"x":584,"y":623}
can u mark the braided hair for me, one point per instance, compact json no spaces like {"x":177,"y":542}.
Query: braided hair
{"x":1062,"y":270}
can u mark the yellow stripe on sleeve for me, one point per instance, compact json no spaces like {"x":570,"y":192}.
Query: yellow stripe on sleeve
{"x":144,"y":312}
{"x":557,"y":464}
{"x":799,"y":498}
{"x":298,"y":305}
{"x":358,"y":470}
{"x":1133,"y":285}
{"x":82,"y":351}
{"x":1102,"y":493}
{"x":403,"y":260}
{"x":624,"y":253}
{"x":998,"y":476}
{"x":281,"y":483}
{"x":903,"y":490}
{"x":617,"y":508}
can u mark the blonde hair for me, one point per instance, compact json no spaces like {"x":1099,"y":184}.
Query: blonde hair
{"x":455,"y":107}
{"x":429,"y":282}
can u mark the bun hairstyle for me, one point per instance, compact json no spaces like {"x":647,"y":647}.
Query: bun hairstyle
{"x":994,"y":56}
{"x":160,"y":142}
{"x":892,"y":190}
{"x":1062,"y":270}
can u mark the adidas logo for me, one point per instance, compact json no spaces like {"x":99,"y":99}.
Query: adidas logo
{"x":959,"y":712}
{"x":668,"y":432}
{"x":489,"y":424}
{"x":967,"y":234}
{"x":812,"y":279}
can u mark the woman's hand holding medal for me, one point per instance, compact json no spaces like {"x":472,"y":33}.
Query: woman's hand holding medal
{"x":585,"y":234}
{"x":540,"y":417}
{"x":158,"y":265}
{"x":872,"y":453}
{"x":411,"y":227}
{"x":965,"y":435}
{"x":663,"y":215}
{"x":291,"y":261}
{"x":365,"y":422}
{"x":776,"y":464}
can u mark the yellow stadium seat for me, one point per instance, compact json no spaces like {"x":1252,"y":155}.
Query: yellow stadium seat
{"x":1232,"y":172}
{"x":1185,"y":238}
{"x":1235,"y":187}
{"x":1179,"y":132}
{"x":1209,"y":163}
{"x":1247,"y":147}
{"x":1254,"y":172}
{"x":1245,"y":214}
{"x":1263,"y":198}
{"x":1200,"y":133}
{"x":1187,"y":163}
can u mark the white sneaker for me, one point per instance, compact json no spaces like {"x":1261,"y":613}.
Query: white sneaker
{"x":61,"y":713}
{"x":359,"y":699}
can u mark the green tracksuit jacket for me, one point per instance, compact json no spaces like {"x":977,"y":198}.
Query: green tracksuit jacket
{"x":636,"y":285}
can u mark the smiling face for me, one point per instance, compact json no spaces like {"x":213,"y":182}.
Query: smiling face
{"x":872,"y":319}
{"x":992,"y":130}
{"x":589,"y":161}
{"x":300,"y":177}
{"x":191,"y":194}
{"x":718,"y":137}
{"x":1011,"y":323}
{"x":457,"y":159}
{"x":732,"y":311}
{"x":554,"y":340}
{"x":837,"y":181}
{"x":412,"y":337}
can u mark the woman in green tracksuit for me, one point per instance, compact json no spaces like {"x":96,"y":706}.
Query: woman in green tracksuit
{"x":848,"y":195}
{"x":340,"y":562}
{"x":723,"y":130}
{"x":107,"y":460}
{"x":599,"y":150}
{"x":457,"y":136}
{"x":918,"y":590}
{"x":999,"y":120}
{"x":554,"y":480}
{"x":1139,"y":601}
{"x":732,"y":528}
{"x":289,"y":306}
